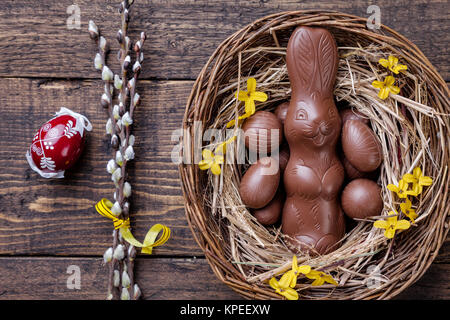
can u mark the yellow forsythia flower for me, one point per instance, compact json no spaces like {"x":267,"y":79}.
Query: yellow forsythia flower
{"x":386,"y":87}
{"x":392,"y":64}
{"x":249,"y":97}
{"x":391,"y":224}
{"x":408,"y":211}
{"x":291,"y":276}
{"x":283,"y":289}
{"x":401,"y":190}
{"x":211,"y":161}
{"x":418,"y":180}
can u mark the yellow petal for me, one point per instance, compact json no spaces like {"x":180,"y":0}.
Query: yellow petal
{"x":392,"y":61}
{"x":293,"y":281}
{"x":394,"y":89}
{"x":412,"y":215}
{"x":402,"y":225}
{"x":389,"y":81}
{"x":215,"y":169}
{"x":384,"y":62}
{"x":290,"y":294}
{"x":425,"y":181}
{"x":205,"y":165}
{"x":288,"y":279}
{"x":274,"y":283}
{"x":304,"y":269}
{"x":408,"y":177}
{"x":383,"y":93}
{"x":318,"y":282}
{"x":417,"y":172}
{"x":405,"y":206}
{"x":249,"y":107}
{"x":381,"y":224}
{"x":399,"y":68}
{"x":328,"y":278}
{"x":416,"y":190}
{"x":242,"y":95}
{"x":392,"y":187}
{"x":294,"y":263}
{"x":389,"y":233}
{"x":251,"y":85}
{"x":219,"y":159}
{"x":259,"y":96}
{"x":207,"y":154}
{"x":392,"y":219}
{"x":403,"y":185}
{"x":313,"y":274}
{"x":378,"y":84}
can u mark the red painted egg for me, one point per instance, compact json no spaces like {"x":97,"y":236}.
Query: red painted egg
{"x":58,"y":144}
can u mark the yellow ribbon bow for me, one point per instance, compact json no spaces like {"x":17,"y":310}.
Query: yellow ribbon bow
{"x":104,"y":206}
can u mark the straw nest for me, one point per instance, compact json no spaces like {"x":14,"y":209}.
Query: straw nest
{"x":413,"y":128}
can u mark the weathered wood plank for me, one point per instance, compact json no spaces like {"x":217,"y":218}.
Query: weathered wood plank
{"x":159,"y":278}
{"x":46,"y":278}
{"x":434,"y":285}
{"x":39,"y":216}
{"x":36,"y":42}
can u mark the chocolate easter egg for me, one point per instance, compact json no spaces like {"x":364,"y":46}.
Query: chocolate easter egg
{"x":271,"y":213}
{"x":261,"y":131}
{"x":361,"y":146}
{"x":281,"y":111}
{"x":350,"y":171}
{"x":58,"y":144}
{"x":283,"y":156}
{"x":349,"y":114}
{"x":361,"y":198}
{"x":260,"y":183}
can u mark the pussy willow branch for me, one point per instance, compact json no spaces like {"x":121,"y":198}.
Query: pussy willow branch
{"x":121,"y":255}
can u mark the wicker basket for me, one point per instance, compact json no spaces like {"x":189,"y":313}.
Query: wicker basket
{"x":412,"y":126}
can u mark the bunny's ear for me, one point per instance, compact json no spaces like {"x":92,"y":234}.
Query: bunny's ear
{"x":300,"y":58}
{"x":327,"y":61}
{"x":312,"y":60}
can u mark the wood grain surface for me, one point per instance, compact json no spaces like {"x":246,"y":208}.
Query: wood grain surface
{"x":47,"y":225}
{"x":182,"y":34}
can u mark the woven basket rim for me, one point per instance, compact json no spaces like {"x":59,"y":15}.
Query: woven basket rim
{"x":190,"y":175}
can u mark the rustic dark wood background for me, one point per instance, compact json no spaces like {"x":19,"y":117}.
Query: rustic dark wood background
{"x":48,"y":225}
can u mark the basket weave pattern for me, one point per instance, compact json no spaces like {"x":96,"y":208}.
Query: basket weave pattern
{"x":413,"y":128}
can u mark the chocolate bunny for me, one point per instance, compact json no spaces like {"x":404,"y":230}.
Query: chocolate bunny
{"x":312,"y":215}
{"x":310,"y":173}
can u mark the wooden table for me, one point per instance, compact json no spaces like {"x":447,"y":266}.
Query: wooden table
{"x":48,"y":225}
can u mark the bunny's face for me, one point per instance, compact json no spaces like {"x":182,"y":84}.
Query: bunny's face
{"x":313,"y":122}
